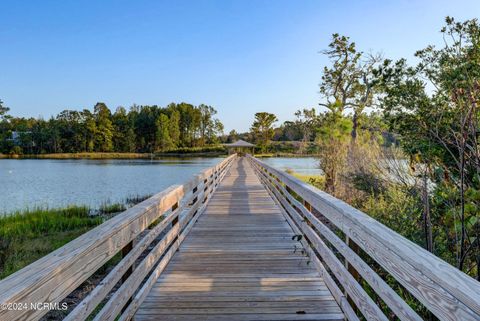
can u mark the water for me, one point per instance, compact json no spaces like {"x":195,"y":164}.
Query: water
{"x":302,"y":165}
{"x":31,"y":183}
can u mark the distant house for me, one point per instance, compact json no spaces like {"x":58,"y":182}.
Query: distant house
{"x":17,"y":135}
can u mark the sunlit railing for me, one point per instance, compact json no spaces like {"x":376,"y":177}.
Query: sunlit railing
{"x":165,"y":219}
{"x":340,"y":240}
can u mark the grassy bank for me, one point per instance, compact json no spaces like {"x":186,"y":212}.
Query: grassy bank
{"x":26,"y":236}
{"x":177,"y":152}
{"x":293,"y":155}
{"x":83,"y":156}
{"x":316,"y":180}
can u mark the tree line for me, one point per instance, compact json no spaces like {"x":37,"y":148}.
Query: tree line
{"x":139,"y":129}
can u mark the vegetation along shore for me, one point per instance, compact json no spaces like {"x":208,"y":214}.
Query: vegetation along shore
{"x":28,"y":235}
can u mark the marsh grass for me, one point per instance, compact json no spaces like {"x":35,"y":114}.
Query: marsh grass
{"x":95,"y":155}
{"x":135,"y":199}
{"x":107,"y":208}
{"x":316,"y":180}
{"x":206,"y":150}
{"x":27,"y":236}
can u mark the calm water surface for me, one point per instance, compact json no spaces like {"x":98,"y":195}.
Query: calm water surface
{"x":30,"y":183}
{"x":303,"y":165}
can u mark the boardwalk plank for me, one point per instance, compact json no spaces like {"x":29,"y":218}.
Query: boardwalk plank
{"x":240,"y":263}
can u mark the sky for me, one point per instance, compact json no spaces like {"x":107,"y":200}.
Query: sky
{"x":241,"y":57}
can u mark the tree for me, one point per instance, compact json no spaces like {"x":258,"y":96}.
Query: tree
{"x":333,"y":137}
{"x":124,"y":134}
{"x":104,"y":128}
{"x":89,"y":130}
{"x":163,"y":141}
{"x":307,"y":121}
{"x":262,"y":129}
{"x":207,"y":123}
{"x":439,"y":128}
{"x":4,"y":127}
{"x":3,"y":110}
{"x":215,"y":131}
{"x":232,"y":136}
{"x":350,"y":83}
{"x":174,"y":128}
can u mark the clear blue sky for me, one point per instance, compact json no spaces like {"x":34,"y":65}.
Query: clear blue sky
{"x":239,"y":56}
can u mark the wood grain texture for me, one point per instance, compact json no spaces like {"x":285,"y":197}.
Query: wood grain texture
{"x":447,"y":292}
{"x":239,"y":262}
{"x":306,"y":220}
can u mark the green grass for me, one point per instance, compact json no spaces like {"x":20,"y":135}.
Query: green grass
{"x":112,"y":208}
{"x":316,"y":180}
{"x":27,"y":236}
{"x":282,"y":154}
{"x":135,"y":199}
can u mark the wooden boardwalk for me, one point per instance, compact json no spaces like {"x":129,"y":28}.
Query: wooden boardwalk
{"x":239,"y":262}
{"x":225,"y":248}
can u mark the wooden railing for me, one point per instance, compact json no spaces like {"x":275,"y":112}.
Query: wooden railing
{"x":333,"y":234}
{"x":170,"y":216}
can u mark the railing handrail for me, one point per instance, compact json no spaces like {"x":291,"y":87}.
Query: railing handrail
{"x":54,"y":276}
{"x":446,"y":291}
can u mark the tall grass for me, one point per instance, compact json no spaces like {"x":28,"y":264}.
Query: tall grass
{"x":26,"y":236}
{"x":29,"y":235}
{"x":316,"y":180}
{"x":107,"y":208}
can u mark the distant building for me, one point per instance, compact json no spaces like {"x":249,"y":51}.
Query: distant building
{"x":17,"y":135}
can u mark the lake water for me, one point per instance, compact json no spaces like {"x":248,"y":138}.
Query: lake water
{"x":30,"y":183}
{"x":303,"y":165}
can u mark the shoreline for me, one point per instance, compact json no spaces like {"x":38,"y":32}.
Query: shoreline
{"x":102,"y":155}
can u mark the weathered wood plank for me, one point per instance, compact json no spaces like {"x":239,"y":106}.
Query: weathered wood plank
{"x":240,"y":260}
{"x":390,"y":297}
{"x":447,"y":292}
{"x":243,"y":317}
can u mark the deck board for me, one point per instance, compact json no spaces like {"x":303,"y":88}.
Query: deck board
{"x":239,"y":262}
